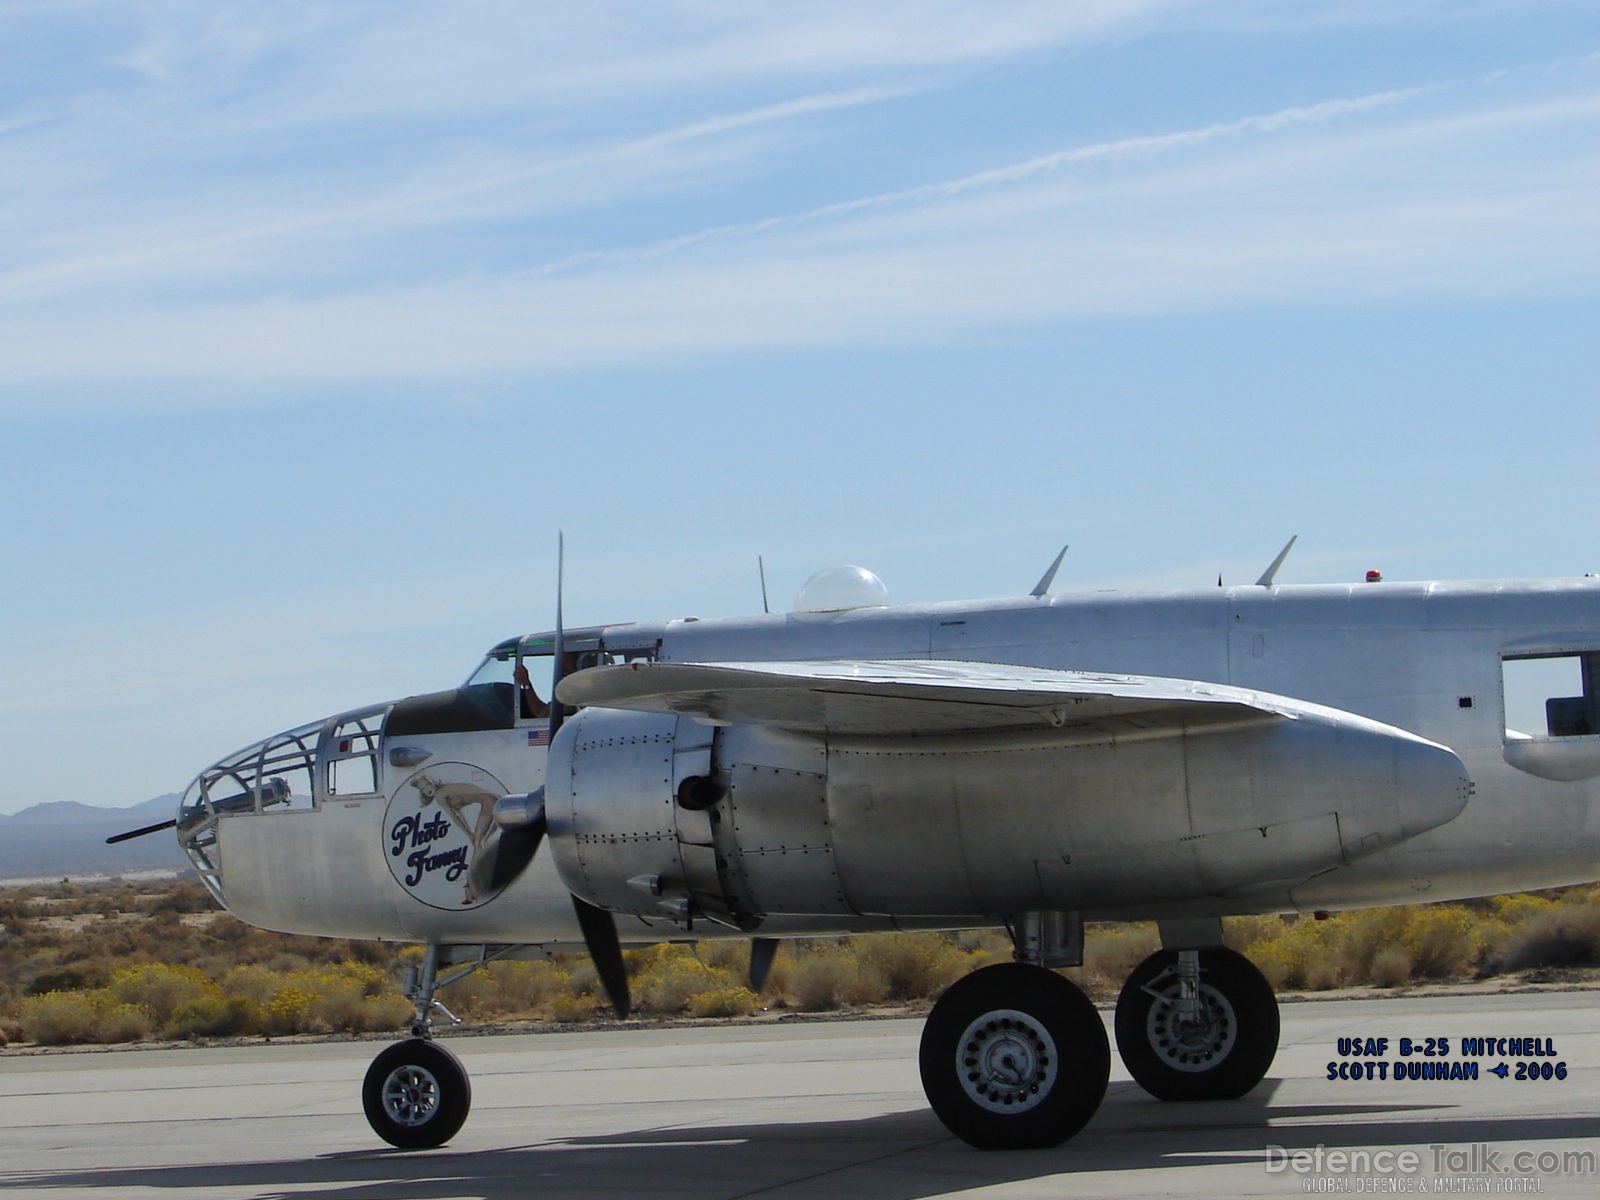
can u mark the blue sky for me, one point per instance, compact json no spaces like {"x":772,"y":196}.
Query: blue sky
{"x":318,"y":320}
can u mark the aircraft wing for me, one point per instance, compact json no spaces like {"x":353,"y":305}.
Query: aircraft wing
{"x":916,"y":696}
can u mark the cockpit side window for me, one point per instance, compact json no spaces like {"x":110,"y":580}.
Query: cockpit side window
{"x":583,"y":648}
{"x":1552,"y":695}
{"x":537,"y":661}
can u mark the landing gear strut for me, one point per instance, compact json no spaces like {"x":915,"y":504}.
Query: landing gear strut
{"x":416,"y":1094}
{"x":1197,"y":1024}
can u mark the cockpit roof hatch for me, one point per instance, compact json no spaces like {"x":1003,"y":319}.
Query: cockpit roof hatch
{"x":588,"y":638}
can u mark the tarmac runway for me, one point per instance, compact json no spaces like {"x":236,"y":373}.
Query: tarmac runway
{"x":809,"y":1109}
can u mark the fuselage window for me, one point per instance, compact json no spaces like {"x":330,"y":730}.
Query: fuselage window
{"x":352,"y":776}
{"x":351,"y":750}
{"x":285,"y":782}
{"x":1552,"y":695}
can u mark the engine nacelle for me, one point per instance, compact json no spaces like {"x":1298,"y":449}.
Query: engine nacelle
{"x":662,"y":815}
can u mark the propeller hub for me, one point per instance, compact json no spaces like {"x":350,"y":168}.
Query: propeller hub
{"x":520,"y":810}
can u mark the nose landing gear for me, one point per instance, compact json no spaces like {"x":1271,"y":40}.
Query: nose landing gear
{"x":416,"y":1093}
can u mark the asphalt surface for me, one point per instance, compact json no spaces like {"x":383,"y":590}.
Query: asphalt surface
{"x":802,"y":1109}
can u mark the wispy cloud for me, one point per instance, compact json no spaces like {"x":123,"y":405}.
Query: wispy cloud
{"x":1000,"y":177}
{"x":205,"y":242}
{"x":587,"y":245}
{"x":1425,"y":190}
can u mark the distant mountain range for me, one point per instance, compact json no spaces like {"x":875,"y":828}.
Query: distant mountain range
{"x":49,"y":841}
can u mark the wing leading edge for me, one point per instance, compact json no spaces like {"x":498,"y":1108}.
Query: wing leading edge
{"x":909,"y":697}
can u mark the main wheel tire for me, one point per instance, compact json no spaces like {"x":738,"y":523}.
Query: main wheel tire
{"x":416,"y":1095}
{"x":1014,"y":1057}
{"x":1219,"y":1057}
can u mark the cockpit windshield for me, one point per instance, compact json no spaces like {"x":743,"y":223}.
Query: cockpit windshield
{"x":535,"y":654}
{"x":496,"y":666}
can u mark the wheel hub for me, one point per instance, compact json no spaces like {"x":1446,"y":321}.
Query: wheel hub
{"x":411,"y":1095}
{"x":1197,"y":1043}
{"x":1006,"y":1061}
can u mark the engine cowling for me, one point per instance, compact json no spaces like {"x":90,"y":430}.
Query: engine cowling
{"x":662,"y":815}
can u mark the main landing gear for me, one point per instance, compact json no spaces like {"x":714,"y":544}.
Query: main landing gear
{"x":416,"y":1094}
{"x":1016,"y":1057}
{"x":1197,"y":1024}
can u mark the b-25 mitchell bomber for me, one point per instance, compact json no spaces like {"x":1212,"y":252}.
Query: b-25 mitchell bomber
{"x":1032,"y":763}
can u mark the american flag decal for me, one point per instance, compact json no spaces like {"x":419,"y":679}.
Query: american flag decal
{"x":539,"y":736}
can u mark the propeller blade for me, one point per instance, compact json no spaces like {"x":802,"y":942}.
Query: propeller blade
{"x":600,"y":936}
{"x":133,"y":833}
{"x":762,"y":951}
{"x":514,"y":849}
{"x":521,"y":818}
{"x":599,"y":926}
{"x":557,"y":713}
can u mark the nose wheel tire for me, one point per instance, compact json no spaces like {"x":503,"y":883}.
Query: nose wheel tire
{"x":1217,"y":1050}
{"x":416,"y":1095}
{"x":1014,"y":1057}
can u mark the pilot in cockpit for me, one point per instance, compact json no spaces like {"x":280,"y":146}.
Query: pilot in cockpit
{"x":529,"y":703}
{"x":528,"y":700}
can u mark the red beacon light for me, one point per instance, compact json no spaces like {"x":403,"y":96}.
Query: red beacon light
{"x":1374,"y":576}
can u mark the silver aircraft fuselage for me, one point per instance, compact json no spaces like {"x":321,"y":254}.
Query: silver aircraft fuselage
{"x":1386,"y":695}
